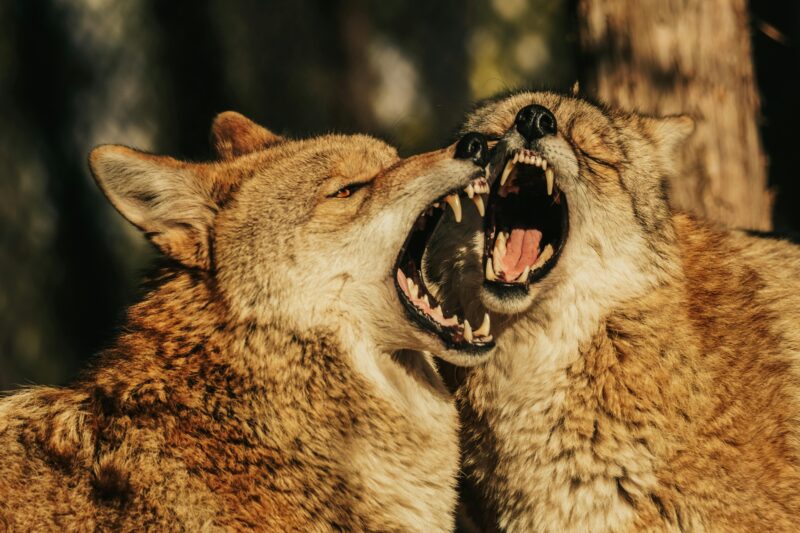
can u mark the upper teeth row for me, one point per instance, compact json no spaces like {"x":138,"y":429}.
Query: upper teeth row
{"x":474,"y":190}
{"x":527,"y":157}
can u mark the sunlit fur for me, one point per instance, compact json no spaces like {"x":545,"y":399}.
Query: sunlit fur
{"x":258,"y":384}
{"x":650,"y":381}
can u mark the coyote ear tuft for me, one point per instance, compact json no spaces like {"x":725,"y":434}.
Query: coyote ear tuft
{"x":671,"y":131}
{"x":163,"y":197}
{"x":234,"y":134}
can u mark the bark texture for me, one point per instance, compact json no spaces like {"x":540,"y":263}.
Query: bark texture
{"x":694,"y":57}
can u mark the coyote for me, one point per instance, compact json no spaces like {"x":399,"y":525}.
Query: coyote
{"x":260,"y":384}
{"x":646,"y":370}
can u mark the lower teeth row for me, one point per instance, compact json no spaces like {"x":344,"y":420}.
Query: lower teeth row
{"x":437,"y":314}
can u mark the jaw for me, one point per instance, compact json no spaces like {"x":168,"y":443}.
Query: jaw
{"x":457,"y":260}
{"x":525,"y":230}
{"x":394,"y":331}
{"x":507,"y":301}
{"x":441,"y":329}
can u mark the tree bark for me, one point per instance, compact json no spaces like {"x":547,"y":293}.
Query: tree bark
{"x":695,"y":57}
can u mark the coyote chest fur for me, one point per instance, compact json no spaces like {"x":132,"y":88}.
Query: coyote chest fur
{"x":260,"y":383}
{"x":174,"y":434}
{"x":646,"y":372}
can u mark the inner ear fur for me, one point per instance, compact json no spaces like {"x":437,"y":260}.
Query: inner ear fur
{"x":233,"y":135}
{"x":172,"y":202}
{"x":670,"y":131}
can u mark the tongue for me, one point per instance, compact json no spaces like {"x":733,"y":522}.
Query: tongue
{"x":522,"y":250}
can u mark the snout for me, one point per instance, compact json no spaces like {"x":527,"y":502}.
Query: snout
{"x":473,"y":146}
{"x":445,"y":178}
{"x":535,"y":122}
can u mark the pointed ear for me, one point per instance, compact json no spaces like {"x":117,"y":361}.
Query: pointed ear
{"x":671,"y":131}
{"x":233,"y":135}
{"x":167,"y":199}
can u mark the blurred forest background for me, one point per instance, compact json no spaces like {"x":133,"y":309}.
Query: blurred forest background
{"x":152,"y":74}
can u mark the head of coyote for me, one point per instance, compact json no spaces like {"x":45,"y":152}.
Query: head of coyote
{"x":577,"y":208}
{"x":297,"y":234}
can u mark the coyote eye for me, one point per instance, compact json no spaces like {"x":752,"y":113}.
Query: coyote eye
{"x":347,"y":190}
{"x":343,"y":193}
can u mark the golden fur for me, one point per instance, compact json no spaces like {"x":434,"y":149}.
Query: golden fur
{"x":256,"y":386}
{"x":650,"y":381}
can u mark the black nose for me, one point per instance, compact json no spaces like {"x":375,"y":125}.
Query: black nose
{"x":473,"y":145}
{"x":535,"y":121}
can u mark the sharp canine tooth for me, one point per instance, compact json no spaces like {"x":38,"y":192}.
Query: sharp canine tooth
{"x":507,"y":171}
{"x":425,"y":300}
{"x":467,"y":331}
{"x":496,"y":266}
{"x":455,"y":203}
{"x":470,"y":190}
{"x":549,"y":175}
{"x":436,"y":312}
{"x":490,"y":275}
{"x":483,"y":331}
{"x":544,"y":163}
{"x":517,"y":156}
{"x":479,"y":204}
{"x":547,"y":253}
{"x":524,"y":276}
{"x":500,"y":242}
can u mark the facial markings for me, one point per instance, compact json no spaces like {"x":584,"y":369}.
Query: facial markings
{"x":346,"y":188}
{"x":518,"y":209}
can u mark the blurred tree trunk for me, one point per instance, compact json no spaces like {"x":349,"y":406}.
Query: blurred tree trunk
{"x":687,"y":56}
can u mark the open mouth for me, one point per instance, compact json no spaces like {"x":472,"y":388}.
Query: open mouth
{"x":526,"y":222}
{"x":456,"y":332}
